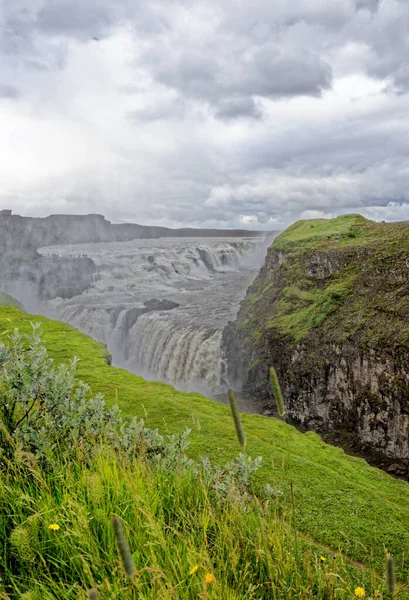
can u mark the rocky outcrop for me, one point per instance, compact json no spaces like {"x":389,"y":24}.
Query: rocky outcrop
{"x":132,"y":315}
{"x":330,"y":311}
{"x":129,"y":317}
{"x":34,"y":278}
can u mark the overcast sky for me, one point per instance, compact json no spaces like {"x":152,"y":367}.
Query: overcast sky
{"x":221,"y":113}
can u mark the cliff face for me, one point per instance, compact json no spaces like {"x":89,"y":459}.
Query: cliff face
{"x":330,"y":311}
{"x":29,"y":233}
{"x":33,"y":278}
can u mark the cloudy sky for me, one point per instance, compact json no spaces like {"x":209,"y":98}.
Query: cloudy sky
{"x":224,"y":113}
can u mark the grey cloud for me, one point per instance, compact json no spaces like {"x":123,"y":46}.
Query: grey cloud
{"x":9,"y":91}
{"x":385,"y":32}
{"x":371,"y":5}
{"x":229,"y":79}
{"x":21,"y":19}
{"x":255,"y":50}
{"x":193,"y":148}
{"x":80,"y":19}
{"x":77,"y":18}
{"x":241,"y":106}
{"x":276,"y":71}
{"x":172,"y":109}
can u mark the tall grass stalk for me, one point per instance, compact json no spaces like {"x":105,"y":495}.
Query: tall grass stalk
{"x":390,"y":575}
{"x":277,"y":392}
{"x":123,"y":548}
{"x":241,"y":435}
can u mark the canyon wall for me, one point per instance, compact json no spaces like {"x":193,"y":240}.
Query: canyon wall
{"x":30,"y":233}
{"x":330,"y":311}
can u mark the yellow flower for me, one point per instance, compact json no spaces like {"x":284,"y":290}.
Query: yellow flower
{"x":54,"y":527}
{"x":360,"y":592}
{"x":209,"y":578}
{"x":323,"y":559}
{"x":193,"y":570}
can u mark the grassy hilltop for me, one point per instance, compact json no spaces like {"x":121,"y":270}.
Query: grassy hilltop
{"x":340,"y":503}
{"x":362,"y":288}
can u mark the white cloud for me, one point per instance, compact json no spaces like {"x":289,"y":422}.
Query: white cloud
{"x":192,"y":113}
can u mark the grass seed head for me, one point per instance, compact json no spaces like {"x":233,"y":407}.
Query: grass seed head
{"x":123,"y":548}
{"x":241,"y":435}
{"x":390,"y":575}
{"x":277,"y":392}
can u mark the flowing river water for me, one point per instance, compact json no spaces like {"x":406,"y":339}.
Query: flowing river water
{"x":161,"y":305}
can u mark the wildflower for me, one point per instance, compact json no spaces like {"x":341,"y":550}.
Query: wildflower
{"x":209,"y":578}
{"x":360,"y":592}
{"x":193,"y":570}
{"x":54,"y":527}
{"x":323,"y":559}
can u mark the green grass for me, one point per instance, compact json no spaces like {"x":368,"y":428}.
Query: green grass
{"x":299,"y":310}
{"x":340,"y":502}
{"x":173,"y":523}
{"x":345,"y":276}
{"x":314,"y":233}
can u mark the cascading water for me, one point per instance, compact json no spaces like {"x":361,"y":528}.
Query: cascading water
{"x":161,"y":305}
{"x":187,"y":355}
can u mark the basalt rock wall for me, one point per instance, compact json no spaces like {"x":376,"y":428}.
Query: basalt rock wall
{"x":330,"y":311}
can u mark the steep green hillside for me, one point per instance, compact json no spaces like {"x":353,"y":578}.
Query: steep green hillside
{"x":347,"y":275}
{"x":340,"y":501}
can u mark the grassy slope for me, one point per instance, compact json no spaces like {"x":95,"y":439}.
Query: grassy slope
{"x":6,"y":300}
{"x":366,"y":295}
{"x":340,"y":501}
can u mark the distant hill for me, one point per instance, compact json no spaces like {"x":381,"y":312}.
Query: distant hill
{"x":29,"y":233}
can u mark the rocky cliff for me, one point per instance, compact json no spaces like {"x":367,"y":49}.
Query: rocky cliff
{"x":330,"y":311}
{"x":29,"y":233}
{"x":33,"y":278}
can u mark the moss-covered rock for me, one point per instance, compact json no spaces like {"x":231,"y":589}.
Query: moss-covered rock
{"x":330,"y":310}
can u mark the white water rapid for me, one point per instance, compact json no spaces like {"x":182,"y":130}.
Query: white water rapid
{"x":161,"y":305}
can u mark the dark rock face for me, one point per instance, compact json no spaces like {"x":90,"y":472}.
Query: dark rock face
{"x":133,"y":314}
{"x":65,"y":277}
{"x":46,"y":277}
{"x":345,"y":374}
{"x":160,"y":304}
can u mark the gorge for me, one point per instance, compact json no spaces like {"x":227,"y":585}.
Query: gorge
{"x":328,"y":309}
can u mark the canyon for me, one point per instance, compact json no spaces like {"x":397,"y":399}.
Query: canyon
{"x":328,"y":307}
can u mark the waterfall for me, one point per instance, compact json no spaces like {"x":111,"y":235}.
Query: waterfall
{"x":161,"y":305}
{"x":184,"y":355}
